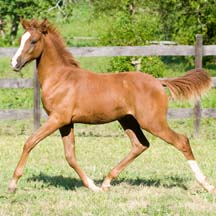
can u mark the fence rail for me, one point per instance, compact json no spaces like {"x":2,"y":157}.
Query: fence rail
{"x":178,"y":113}
{"x":150,"y":50}
{"x":198,"y":51}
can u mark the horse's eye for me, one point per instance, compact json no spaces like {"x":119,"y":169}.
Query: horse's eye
{"x":33,"y":41}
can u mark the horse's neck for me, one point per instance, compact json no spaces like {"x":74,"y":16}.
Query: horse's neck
{"x":49,"y":64}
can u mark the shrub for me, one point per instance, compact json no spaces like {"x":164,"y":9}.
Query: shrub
{"x":153,"y":65}
{"x":122,"y":63}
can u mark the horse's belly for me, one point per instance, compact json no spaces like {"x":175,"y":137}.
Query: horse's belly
{"x":98,"y":115}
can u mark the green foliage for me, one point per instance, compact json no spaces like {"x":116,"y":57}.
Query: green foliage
{"x":11,"y":11}
{"x":153,"y":65}
{"x":16,"y":99}
{"x":111,"y":6}
{"x":122,"y":63}
{"x":136,"y":22}
{"x":182,"y":20}
{"x":129,"y":30}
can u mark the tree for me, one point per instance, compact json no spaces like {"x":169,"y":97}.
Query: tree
{"x":11,"y":11}
{"x":133,"y":24}
{"x":182,"y":20}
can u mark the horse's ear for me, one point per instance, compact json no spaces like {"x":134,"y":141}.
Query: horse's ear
{"x":25,"y":23}
{"x":44,"y":26}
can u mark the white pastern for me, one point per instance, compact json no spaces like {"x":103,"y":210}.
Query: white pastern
{"x":24,"y":38}
{"x":200,"y":176}
{"x":92,"y":185}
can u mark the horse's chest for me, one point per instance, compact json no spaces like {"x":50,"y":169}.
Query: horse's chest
{"x":49,"y":102}
{"x":47,"y":105}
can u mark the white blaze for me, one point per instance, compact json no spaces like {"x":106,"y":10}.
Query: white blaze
{"x":24,"y":38}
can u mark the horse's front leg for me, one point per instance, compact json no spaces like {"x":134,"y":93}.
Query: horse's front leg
{"x":49,"y":127}
{"x":67,"y":133}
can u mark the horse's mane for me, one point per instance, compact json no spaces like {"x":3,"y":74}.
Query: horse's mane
{"x":58,"y":42}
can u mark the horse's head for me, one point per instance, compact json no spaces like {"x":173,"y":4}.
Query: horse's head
{"x":31,"y":43}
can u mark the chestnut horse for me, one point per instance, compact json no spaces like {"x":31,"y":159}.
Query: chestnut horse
{"x":71,"y":95}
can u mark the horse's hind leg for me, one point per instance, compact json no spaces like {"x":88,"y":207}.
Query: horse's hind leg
{"x":67,"y":133}
{"x":139,"y":144}
{"x":181,"y":142}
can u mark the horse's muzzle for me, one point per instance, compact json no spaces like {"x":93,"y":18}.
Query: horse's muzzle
{"x":18,"y":66}
{"x":17,"y":69}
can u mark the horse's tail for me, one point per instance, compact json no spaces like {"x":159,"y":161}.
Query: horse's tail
{"x":190,"y":86}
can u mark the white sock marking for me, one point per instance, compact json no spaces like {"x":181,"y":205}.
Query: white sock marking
{"x":92,"y":185}
{"x":24,"y":38}
{"x":199,"y":175}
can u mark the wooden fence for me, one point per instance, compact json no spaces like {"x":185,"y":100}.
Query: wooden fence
{"x":198,"y":51}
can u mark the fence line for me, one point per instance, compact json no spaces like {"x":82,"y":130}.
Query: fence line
{"x":198,"y":64}
{"x":198,"y":51}
{"x":150,"y":50}
{"x":177,"y":113}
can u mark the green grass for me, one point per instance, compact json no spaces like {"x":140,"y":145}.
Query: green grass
{"x":159,"y":182}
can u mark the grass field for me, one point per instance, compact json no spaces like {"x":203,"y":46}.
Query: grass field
{"x":159,"y":182}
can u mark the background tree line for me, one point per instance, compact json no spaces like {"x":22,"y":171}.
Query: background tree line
{"x":136,"y":21}
{"x":131,"y":22}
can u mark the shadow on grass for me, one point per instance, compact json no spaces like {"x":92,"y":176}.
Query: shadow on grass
{"x":71,"y":183}
{"x":57,"y":181}
{"x":166,"y":182}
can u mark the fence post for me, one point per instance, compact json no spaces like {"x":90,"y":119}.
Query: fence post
{"x":137,"y":64}
{"x":198,"y":64}
{"x":36,"y":87}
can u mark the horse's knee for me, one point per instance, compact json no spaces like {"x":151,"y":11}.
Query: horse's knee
{"x":184,"y":146}
{"x":183,"y":143}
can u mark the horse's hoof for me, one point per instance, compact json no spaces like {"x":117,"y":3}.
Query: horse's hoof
{"x":213,"y":191}
{"x":106,"y":187}
{"x":12,"y":189}
{"x":91,"y":185}
{"x":96,"y":189}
